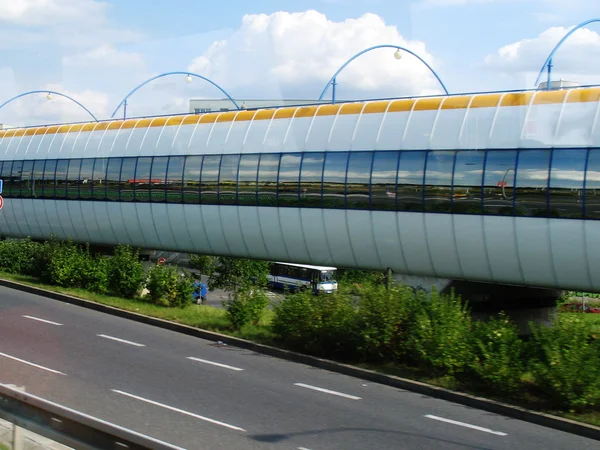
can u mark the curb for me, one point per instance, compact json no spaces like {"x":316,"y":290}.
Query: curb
{"x":546,"y":420}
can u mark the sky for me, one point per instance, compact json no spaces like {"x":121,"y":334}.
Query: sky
{"x":96,"y":52}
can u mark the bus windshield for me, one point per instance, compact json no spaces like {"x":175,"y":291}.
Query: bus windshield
{"x":327,"y":275}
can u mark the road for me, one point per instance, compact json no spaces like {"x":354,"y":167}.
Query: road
{"x":197,"y":394}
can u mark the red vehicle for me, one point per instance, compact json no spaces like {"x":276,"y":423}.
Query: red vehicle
{"x":579,"y":307}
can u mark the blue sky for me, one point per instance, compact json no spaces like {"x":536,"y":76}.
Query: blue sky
{"x":96,"y":51}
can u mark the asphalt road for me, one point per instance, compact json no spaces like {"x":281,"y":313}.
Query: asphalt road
{"x":199,"y":395}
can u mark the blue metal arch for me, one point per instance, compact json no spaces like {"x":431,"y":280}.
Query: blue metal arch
{"x":60,"y":94}
{"x":548,"y":62}
{"x":397,"y":47}
{"x":191,"y":74}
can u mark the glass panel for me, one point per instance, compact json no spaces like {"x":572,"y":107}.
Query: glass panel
{"x":532,"y":183}
{"x":191,"y":179}
{"x":334,"y":180}
{"x":174,"y":179}
{"x":124,"y":190}
{"x":289,"y":179}
{"x":410,"y":181}
{"x":38,"y":177}
{"x":49,"y":178}
{"x":141,"y":180}
{"x":209,"y":179}
{"x":566,"y":183}
{"x":60,"y":189}
{"x":383,"y":180}
{"x":466,"y":191}
{"x":26,"y":181}
{"x":592,"y":185}
{"x":267,"y":179}
{"x":158,"y":179}
{"x":499,"y":180}
{"x":73,"y":179}
{"x":99,"y":178}
{"x":228,"y":179}
{"x":438,"y":181}
{"x":85,"y":177}
{"x":113,"y":172}
{"x":7,"y":188}
{"x":310,"y":179}
{"x":358,"y":180}
{"x":248,"y":172}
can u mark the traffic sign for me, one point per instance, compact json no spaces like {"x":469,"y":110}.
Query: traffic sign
{"x":1,"y":183}
{"x":1,"y":202}
{"x":161,"y":260}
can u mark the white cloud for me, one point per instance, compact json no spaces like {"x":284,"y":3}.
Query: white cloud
{"x":51,"y":12}
{"x":578,"y":57}
{"x":105,"y":56}
{"x":295,"y":54}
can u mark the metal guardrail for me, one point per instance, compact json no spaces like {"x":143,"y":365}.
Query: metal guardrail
{"x":70,"y":427}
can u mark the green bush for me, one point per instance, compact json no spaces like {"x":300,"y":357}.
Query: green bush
{"x":322,"y":325}
{"x":18,"y":256}
{"x":125,"y":272}
{"x":567,"y":366}
{"x":168,"y":288}
{"x":204,"y":264}
{"x":95,"y":273}
{"x":383,"y":316}
{"x":246,"y":307}
{"x":497,"y":355}
{"x":438,"y":336}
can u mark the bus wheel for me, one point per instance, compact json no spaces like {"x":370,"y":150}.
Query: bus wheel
{"x":302,"y":288}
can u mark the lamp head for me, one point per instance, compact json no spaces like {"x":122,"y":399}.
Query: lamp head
{"x":398,"y":54}
{"x":49,"y":96}
{"x":188,"y":78}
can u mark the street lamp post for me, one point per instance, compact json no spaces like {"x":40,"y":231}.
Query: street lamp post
{"x":397,"y":54}
{"x":49,"y":95}
{"x":188,"y":79}
{"x":548,"y":63}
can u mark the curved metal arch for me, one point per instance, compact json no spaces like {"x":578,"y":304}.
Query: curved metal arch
{"x":548,"y":62}
{"x":60,"y":94}
{"x":397,"y":47}
{"x":191,"y":74}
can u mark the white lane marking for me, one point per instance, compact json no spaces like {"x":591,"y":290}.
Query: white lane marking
{"x":181,"y":411}
{"x":303,"y":448}
{"x":467,"y":425}
{"x":121,"y":340}
{"x":164,"y":444}
{"x":32,"y":364}
{"x":43,"y":320}
{"x":214,"y":363}
{"x":327,"y":391}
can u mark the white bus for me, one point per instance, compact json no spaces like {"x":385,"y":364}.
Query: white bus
{"x":302,"y":277}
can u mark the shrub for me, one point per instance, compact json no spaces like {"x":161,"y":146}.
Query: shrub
{"x":568,"y":362}
{"x":438,"y":333}
{"x":125,"y":272}
{"x":66,"y":266}
{"x":18,"y":256}
{"x":95,"y":273}
{"x":497,"y":354}
{"x":204,"y":264}
{"x":246,"y":307}
{"x":168,"y":288}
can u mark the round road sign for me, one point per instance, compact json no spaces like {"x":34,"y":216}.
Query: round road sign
{"x":1,"y":202}
{"x":162,"y":260}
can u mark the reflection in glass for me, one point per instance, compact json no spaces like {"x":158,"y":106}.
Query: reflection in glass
{"x":499,"y":181}
{"x":383,"y":180}
{"x":73,"y":179}
{"x":410,"y":181}
{"x":60,"y":189}
{"x":158,"y":174}
{"x":334,"y":179}
{"x":267,"y":179}
{"x":248,"y":172}
{"x":49,"y":178}
{"x":38,"y":178}
{"x":191,"y":179}
{"x":85,"y":177}
{"x":141,"y":180}
{"x":209,"y":179}
{"x":592,"y":185}
{"x":566,"y":183}
{"x":438,"y":181}
{"x":531,"y":196}
{"x":311,"y":174}
{"x":466,"y":189}
{"x":358,"y":179}
{"x":228,"y":179}
{"x":126,"y":185}
{"x":7,"y":188}
{"x":99,"y":178}
{"x":289,"y":179}
{"x":113,"y":174}
{"x":26,"y":182}
{"x":174,"y":179}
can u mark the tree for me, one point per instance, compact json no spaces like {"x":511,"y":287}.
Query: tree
{"x":236,"y":274}
{"x":203,"y":263}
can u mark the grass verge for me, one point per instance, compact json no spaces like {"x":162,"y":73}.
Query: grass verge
{"x":215,"y":319}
